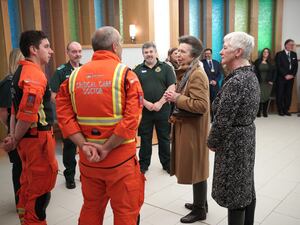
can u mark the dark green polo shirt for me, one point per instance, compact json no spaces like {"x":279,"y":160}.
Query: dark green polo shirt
{"x":155,"y":81}
{"x":61,"y":74}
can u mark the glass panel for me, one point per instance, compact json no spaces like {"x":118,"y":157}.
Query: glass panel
{"x":194,"y":18}
{"x":14,"y":21}
{"x":73,"y":19}
{"x":265,"y":24}
{"x":121,"y":18}
{"x":241,"y":15}
{"x":99,"y":13}
{"x":217,"y":27}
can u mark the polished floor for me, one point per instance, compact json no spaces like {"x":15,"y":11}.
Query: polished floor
{"x":277,"y":175}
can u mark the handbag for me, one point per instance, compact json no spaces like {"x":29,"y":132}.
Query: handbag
{"x":181,"y":113}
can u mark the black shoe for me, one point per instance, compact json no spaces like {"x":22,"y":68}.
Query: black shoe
{"x":196,"y":214}
{"x":190,"y":206}
{"x":287,"y":113}
{"x":143,"y":170}
{"x":70,"y":184}
{"x":281,"y":114}
{"x":265,"y":115}
{"x":167,"y":169}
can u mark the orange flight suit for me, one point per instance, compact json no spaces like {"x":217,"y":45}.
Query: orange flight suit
{"x":101,"y":98}
{"x":31,"y":103}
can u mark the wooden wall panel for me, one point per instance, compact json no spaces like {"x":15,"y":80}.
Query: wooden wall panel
{"x":30,"y":15}
{"x":231,"y":16}
{"x":278,"y":25}
{"x":174,"y":23}
{"x":5,"y":38}
{"x":141,"y":14}
{"x":253,"y":26}
{"x":61,"y":32}
{"x":208,"y":21}
{"x":87,"y":21}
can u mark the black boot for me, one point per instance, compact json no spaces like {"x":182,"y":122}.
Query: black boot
{"x":198,"y":210}
{"x":249,"y":213}
{"x":259,"y":110}
{"x":190,"y":206}
{"x":236,"y":216}
{"x":265,"y":109}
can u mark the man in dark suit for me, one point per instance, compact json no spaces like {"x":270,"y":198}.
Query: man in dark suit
{"x":213,"y":70}
{"x":287,"y":66}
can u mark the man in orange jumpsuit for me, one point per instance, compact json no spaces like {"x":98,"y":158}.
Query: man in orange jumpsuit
{"x":98,"y":108}
{"x":31,"y":129}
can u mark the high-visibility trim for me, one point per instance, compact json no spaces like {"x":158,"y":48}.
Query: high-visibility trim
{"x":42,"y":115}
{"x":98,"y":121}
{"x":103,"y":140}
{"x":117,"y":89}
{"x":116,"y":100}
{"x":72,"y":84}
{"x":20,"y":210}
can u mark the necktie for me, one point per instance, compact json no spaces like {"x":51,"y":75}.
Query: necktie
{"x":210,"y":64}
{"x":289,"y":58}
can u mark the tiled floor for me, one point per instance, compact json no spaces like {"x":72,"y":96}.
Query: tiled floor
{"x":277,"y":172}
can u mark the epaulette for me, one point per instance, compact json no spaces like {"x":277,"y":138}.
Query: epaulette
{"x":61,"y":67}
{"x":133,"y":68}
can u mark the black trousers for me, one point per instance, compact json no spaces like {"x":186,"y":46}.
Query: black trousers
{"x":69,"y":160}
{"x":162,"y":126}
{"x":15,"y":159}
{"x":284,"y":94}
{"x":243,"y":216}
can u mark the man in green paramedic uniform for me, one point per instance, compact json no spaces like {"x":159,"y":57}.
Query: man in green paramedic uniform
{"x":74,"y":52}
{"x":156,"y":77}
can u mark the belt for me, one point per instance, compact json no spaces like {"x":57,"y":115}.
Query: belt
{"x":44,"y":128}
{"x":110,"y":167}
{"x":33,"y":132}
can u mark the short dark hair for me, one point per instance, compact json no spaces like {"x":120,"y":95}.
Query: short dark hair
{"x":208,"y":49}
{"x":196,"y":44}
{"x":29,"y":38}
{"x":287,"y":41}
{"x":149,"y":44}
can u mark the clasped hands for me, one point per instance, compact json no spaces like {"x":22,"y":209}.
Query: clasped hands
{"x":94,"y":152}
{"x":153,"y":106}
{"x":9,"y":143}
{"x":171,"y":96}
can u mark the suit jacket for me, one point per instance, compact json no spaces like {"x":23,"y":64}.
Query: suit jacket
{"x":212,"y":75}
{"x":282,"y":64}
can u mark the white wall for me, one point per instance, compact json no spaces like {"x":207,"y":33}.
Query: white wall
{"x":130,"y":56}
{"x":290,"y":28}
{"x":162,"y":27}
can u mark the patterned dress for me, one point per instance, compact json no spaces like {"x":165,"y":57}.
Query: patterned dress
{"x":233,"y":136}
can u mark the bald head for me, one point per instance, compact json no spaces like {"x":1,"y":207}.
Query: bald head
{"x":104,"y":38}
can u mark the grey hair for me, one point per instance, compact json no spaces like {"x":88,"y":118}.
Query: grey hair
{"x":241,"y":40}
{"x":149,"y":44}
{"x":104,"y":38}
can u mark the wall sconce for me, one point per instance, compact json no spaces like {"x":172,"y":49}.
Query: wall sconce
{"x":132,"y":32}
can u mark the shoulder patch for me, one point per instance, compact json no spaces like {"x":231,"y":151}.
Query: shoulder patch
{"x":133,"y":68}
{"x":61,"y":67}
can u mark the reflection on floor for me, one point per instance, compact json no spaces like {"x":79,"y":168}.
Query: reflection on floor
{"x":277,"y":173}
